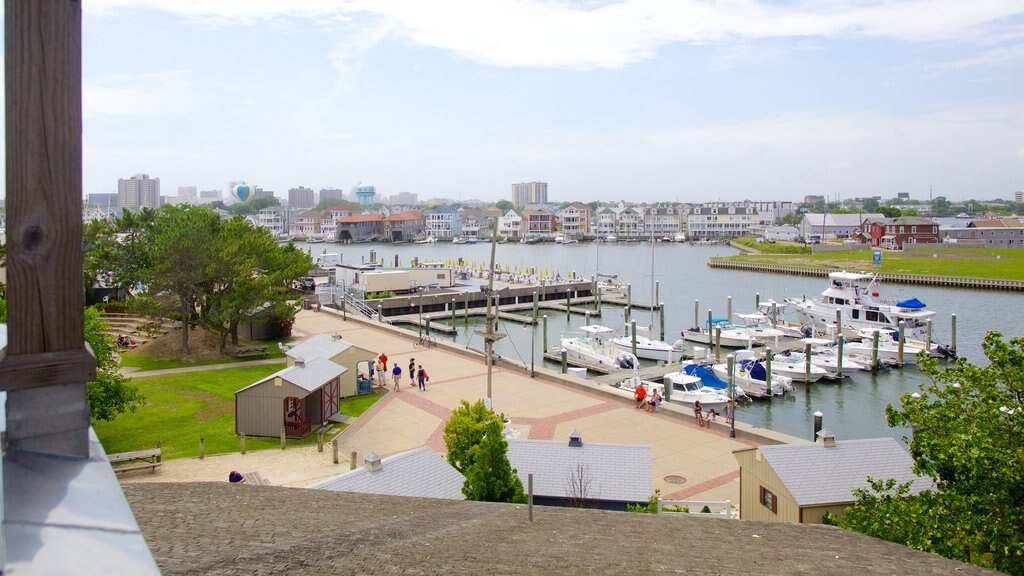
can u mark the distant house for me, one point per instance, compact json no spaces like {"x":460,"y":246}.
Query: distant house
{"x":721,"y":221}
{"x":785,"y":233}
{"x":444,"y":222}
{"x":539,"y":220}
{"x":827,"y":226}
{"x":307,"y":224}
{"x":629,"y":223}
{"x":607,"y":220}
{"x":575,"y":220}
{"x":801,"y":482}
{"x":420,"y":473}
{"x":897,"y":233}
{"x":510,"y":225}
{"x":403,"y":226}
{"x":662,"y":220}
{"x":592,"y":475}
{"x":361,"y":227}
{"x":996,"y":233}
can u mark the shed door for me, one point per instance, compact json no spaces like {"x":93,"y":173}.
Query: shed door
{"x":329,"y":397}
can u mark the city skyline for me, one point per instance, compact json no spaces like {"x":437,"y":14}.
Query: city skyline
{"x":646,"y":101}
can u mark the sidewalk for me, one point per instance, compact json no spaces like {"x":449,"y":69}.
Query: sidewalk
{"x":539,"y":409}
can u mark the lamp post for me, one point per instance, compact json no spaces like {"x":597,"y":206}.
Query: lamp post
{"x":419,"y":293}
{"x":344,"y":303}
{"x":533,"y":347}
{"x":731,"y":407}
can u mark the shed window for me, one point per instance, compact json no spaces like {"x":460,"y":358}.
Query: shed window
{"x":768,"y":500}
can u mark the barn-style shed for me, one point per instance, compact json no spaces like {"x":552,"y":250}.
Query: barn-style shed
{"x":297,"y":398}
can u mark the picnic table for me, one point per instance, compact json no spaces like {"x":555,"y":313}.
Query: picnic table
{"x":250,"y":351}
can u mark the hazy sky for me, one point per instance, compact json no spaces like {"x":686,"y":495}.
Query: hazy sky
{"x":644,"y":100}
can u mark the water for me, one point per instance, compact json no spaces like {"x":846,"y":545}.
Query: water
{"x":852,"y":408}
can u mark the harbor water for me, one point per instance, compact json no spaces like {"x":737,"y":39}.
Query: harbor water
{"x":852,"y":408}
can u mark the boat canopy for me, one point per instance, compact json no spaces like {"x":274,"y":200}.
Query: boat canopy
{"x":757,"y":372}
{"x":912,"y":303}
{"x":707,"y":377}
{"x":850,"y":276}
{"x":596,"y":329}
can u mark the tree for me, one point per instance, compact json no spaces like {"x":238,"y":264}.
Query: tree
{"x":253,"y":206}
{"x":110,"y":393}
{"x":477,"y":449}
{"x":968,"y":436}
{"x":791,"y":219}
{"x":578,"y":482}
{"x":871,"y":205}
{"x":504,"y":206}
{"x":890,"y":211}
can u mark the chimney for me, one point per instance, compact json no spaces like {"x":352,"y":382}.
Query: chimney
{"x":300,"y":362}
{"x":575,"y":439}
{"x":372,"y":462}
{"x":826,"y":439}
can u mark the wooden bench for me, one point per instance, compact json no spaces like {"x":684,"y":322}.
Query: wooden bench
{"x":250,"y":351}
{"x":255,"y":478}
{"x":142,"y":459}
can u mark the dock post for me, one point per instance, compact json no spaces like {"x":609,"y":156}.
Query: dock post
{"x":775,"y":314}
{"x":768,"y":368}
{"x":731,"y":366}
{"x":817,"y":425}
{"x":629,"y":294}
{"x":568,"y":305}
{"x":536,"y":305}
{"x":661,"y":313}
{"x":465,"y":316}
{"x":711,"y":332}
{"x":899,"y":350}
{"x":586,"y":316}
{"x":718,"y":343}
{"x":952,"y":343}
{"x":632,"y":334}
{"x":453,"y":312}
{"x":807,"y":363}
{"x":545,"y":331}
{"x":334,"y":449}
{"x":728,"y":308}
{"x":928,"y":338}
{"x":657,"y":293}
{"x":565,"y":361}
{"x":839,"y":339}
{"x":874,"y":351}
{"x":202,"y":447}
{"x":696,"y":313}
{"x":628,"y":313}
{"x":757,"y":301}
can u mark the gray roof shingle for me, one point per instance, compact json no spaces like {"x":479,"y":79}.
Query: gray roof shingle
{"x":815,"y":474}
{"x":420,"y":472}
{"x":318,"y":346}
{"x":618,"y":472}
{"x":310,"y":376}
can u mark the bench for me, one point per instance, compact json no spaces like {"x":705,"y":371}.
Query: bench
{"x":250,"y":351}
{"x":141,"y":459}
{"x":255,"y":478}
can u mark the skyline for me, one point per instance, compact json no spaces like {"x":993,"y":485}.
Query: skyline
{"x":643,"y":100}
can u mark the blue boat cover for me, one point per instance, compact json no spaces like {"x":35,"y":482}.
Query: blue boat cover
{"x":912,"y":303}
{"x":707,"y":377}
{"x":757,"y":372}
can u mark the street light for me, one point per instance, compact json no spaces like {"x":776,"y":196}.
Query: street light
{"x":731,"y":408}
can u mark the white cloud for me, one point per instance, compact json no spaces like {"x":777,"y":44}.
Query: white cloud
{"x":989,"y":58}
{"x":560,"y":34}
{"x":137,"y":95}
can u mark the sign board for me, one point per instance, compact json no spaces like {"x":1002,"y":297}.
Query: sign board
{"x":876,"y":257}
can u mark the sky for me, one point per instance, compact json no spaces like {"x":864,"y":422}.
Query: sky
{"x":638,"y":100}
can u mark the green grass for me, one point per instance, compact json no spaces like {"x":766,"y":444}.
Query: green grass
{"x":772,"y":247}
{"x":1001,"y":264}
{"x":142,"y":361}
{"x":182,"y":407}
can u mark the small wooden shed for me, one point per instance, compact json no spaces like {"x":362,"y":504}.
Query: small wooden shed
{"x":297,"y":398}
{"x":333,"y":348}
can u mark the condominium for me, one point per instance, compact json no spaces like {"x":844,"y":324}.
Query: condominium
{"x":529,"y":193}
{"x":301,"y":197}
{"x":139,"y":191}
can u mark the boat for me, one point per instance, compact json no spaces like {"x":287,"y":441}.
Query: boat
{"x":427,"y":240}
{"x":559,"y":239}
{"x":734,"y":335}
{"x":828,"y":358}
{"x":681,"y":237}
{"x":889,"y":347}
{"x":855,"y":295}
{"x":795,"y":368}
{"x":751,"y":375}
{"x":469,"y":240}
{"x":458,"y":240}
{"x":650,"y":348}
{"x":611,"y":238}
{"x":687,"y":389}
{"x":593,"y":348}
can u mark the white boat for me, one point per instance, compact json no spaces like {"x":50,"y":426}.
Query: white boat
{"x":559,"y":239}
{"x":735,"y":336}
{"x":427,"y":240}
{"x":687,"y":389}
{"x":795,"y":368}
{"x":458,"y":240}
{"x":750,"y":374}
{"x":611,"y":238}
{"x":828,"y":358}
{"x":855,"y":295}
{"x":593,"y":347}
{"x":649,"y":348}
{"x":888,"y":347}
{"x":679,"y":237}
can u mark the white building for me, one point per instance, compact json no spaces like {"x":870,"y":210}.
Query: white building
{"x":834,"y":225}
{"x":139,"y":191}
{"x":443,"y":222}
{"x":720,"y":222}
{"x":510,"y":224}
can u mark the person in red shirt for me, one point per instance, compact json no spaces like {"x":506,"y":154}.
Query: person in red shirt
{"x":640,"y":395}
{"x":383,"y":358}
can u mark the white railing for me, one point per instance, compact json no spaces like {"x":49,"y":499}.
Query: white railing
{"x":718,"y":509}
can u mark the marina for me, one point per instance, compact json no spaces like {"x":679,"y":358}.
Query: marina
{"x":853,"y":407}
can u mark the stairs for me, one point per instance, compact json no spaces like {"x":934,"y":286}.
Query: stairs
{"x":136,"y":327}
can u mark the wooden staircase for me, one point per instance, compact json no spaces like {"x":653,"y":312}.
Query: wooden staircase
{"x":135,"y":326}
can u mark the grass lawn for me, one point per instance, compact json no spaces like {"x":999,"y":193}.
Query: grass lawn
{"x":182,"y":407}
{"x":139,"y":359}
{"x":1003,"y":264}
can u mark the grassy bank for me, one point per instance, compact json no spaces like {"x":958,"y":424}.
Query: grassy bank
{"x":1003,"y":264}
{"x":144,"y":361}
{"x":182,"y":407}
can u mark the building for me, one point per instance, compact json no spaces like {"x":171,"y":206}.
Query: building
{"x":606,"y":221}
{"x":575,"y":220}
{"x":897,"y":233}
{"x":720,"y":222}
{"x":261,"y":193}
{"x":296,"y":398}
{"x":444,"y":222}
{"x":306,"y":225}
{"x":629,"y":223}
{"x":301,"y":197}
{"x":662,"y":221}
{"x":404,"y":199}
{"x":827,"y":226}
{"x":275,"y":220}
{"x":539,"y":220}
{"x":529,"y":193}
{"x":366,"y":194}
{"x":1000,"y":233}
{"x":188,"y":194}
{"x":332,"y":195}
{"x":769,"y":212}
{"x":591,"y":475}
{"x":801,"y":482}
{"x":361,"y":228}
{"x":139,"y":191}
{"x":104,"y":200}
{"x":785,"y":233}
{"x":420,"y":473}
{"x":814,"y":199}
{"x":510,"y":225}
{"x":209,"y":196}
{"x":403,"y":226}
{"x":1018,"y":197}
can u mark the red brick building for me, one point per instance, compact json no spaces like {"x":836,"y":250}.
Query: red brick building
{"x":897,"y":233}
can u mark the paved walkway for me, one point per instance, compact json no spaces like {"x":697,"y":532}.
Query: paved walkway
{"x":539,"y":409}
{"x":136,"y":373}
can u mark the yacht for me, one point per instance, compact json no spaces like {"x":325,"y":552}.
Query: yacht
{"x":750,"y":374}
{"x":794,"y":367}
{"x":593,"y":347}
{"x":649,"y":348}
{"x":687,"y":389}
{"x":855,"y":295}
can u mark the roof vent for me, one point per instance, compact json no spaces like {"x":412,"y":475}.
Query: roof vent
{"x":575,"y":439}
{"x":827,"y":439}
{"x":372,"y":462}
{"x":300,"y":362}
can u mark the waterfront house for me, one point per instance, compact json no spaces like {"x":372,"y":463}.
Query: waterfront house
{"x":361,"y":227}
{"x":444,"y":222}
{"x":575,"y":220}
{"x":995,"y":233}
{"x":828,"y":226}
{"x":510,"y":225}
{"x":785,"y":233}
{"x":629,"y":223}
{"x":801,"y":482}
{"x":720,"y":221}
{"x":607,"y":218}
{"x":403,"y":226}
{"x":591,"y":475}
{"x":420,"y":472}
{"x":662,"y":220}
{"x":897,"y":233}
{"x":306,"y":224}
{"x":274,"y":219}
{"x":539,"y":220}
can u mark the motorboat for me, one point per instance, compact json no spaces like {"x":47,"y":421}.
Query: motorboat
{"x":469,"y":240}
{"x":828,"y":358}
{"x":889,"y":347}
{"x":734,"y":335}
{"x":559,"y":239}
{"x":750,"y":373}
{"x":458,"y":240}
{"x":708,"y":379}
{"x":796,"y":369}
{"x":593,"y":347}
{"x":855,"y":296}
{"x":687,"y":389}
{"x":650,"y":348}
{"x":427,"y":240}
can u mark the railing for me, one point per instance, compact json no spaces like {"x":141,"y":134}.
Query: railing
{"x":724,"y":509}
{"x":336,"y":293}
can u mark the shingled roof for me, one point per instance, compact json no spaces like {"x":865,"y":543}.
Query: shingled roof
{"x":227,"y":529}
{"x":420,"y":472}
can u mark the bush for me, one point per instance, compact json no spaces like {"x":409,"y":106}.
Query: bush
{"x":378,"y":295}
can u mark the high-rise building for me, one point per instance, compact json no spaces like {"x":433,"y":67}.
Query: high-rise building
{"x":260,"y":193}
{"x":529,"y":193}
{"x":188,"y":194}
{"x":332,"y":194}
{"x":405,"y":199}
{"x":1018,"y":197}
{"x":208,"y":196}
{"x":301,"y":197}
{"x":138,"y":191}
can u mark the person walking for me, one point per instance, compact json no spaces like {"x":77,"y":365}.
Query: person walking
{"x":396,"y":374}
{"x":421,"y":375}
{"x":412,"y":371}
{"x":381,"y":369}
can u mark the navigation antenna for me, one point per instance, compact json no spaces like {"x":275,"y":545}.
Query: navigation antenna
{"x":490,"y":335}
